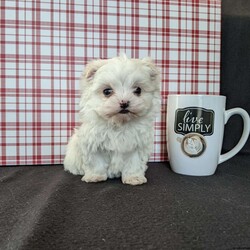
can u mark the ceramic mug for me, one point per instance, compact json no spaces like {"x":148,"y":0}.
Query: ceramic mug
{"x":195,"y":129}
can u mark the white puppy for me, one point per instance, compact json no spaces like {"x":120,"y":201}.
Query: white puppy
{"x":119,"y":100}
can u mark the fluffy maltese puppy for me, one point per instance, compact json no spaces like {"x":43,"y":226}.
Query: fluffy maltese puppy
{"x":119,"y":100}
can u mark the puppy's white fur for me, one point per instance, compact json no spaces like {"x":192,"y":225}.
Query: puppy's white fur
{"x":109,"y":143}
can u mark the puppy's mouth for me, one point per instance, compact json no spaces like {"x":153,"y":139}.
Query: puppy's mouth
{"x":124,"y":111}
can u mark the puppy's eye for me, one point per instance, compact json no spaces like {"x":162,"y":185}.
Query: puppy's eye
{"x":137,"y":91}
{"x":108,"y":92}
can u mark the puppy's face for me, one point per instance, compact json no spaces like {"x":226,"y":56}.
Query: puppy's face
{"x":120,"y":89}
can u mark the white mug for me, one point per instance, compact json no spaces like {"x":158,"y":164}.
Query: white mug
{"x":195,"y":129}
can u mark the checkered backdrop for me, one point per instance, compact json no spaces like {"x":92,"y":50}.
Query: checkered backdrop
{"x":45,"y":44}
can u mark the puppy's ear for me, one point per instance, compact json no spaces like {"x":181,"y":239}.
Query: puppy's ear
{"x":153,"y":70}
{"x":92,"y":67}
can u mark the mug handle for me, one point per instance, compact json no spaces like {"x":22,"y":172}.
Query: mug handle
{"x":244,"y":136}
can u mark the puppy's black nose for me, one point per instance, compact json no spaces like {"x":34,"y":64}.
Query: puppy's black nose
{"x":124,"y":105}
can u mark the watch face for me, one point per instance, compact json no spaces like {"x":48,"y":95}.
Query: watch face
{"x":193,"y":144}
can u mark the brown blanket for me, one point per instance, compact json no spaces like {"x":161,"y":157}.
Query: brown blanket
{"x":43,"y":207}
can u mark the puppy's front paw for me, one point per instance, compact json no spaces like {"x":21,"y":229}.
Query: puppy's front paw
{"x":94,"y":178}
{"x":75,"y":171}
{"x":134,"y":180}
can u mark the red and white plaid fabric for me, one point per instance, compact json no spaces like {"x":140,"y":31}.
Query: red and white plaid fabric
{"x":45,"y":44}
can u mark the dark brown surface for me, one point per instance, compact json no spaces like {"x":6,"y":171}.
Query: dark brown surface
{"x":47,"y":208}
